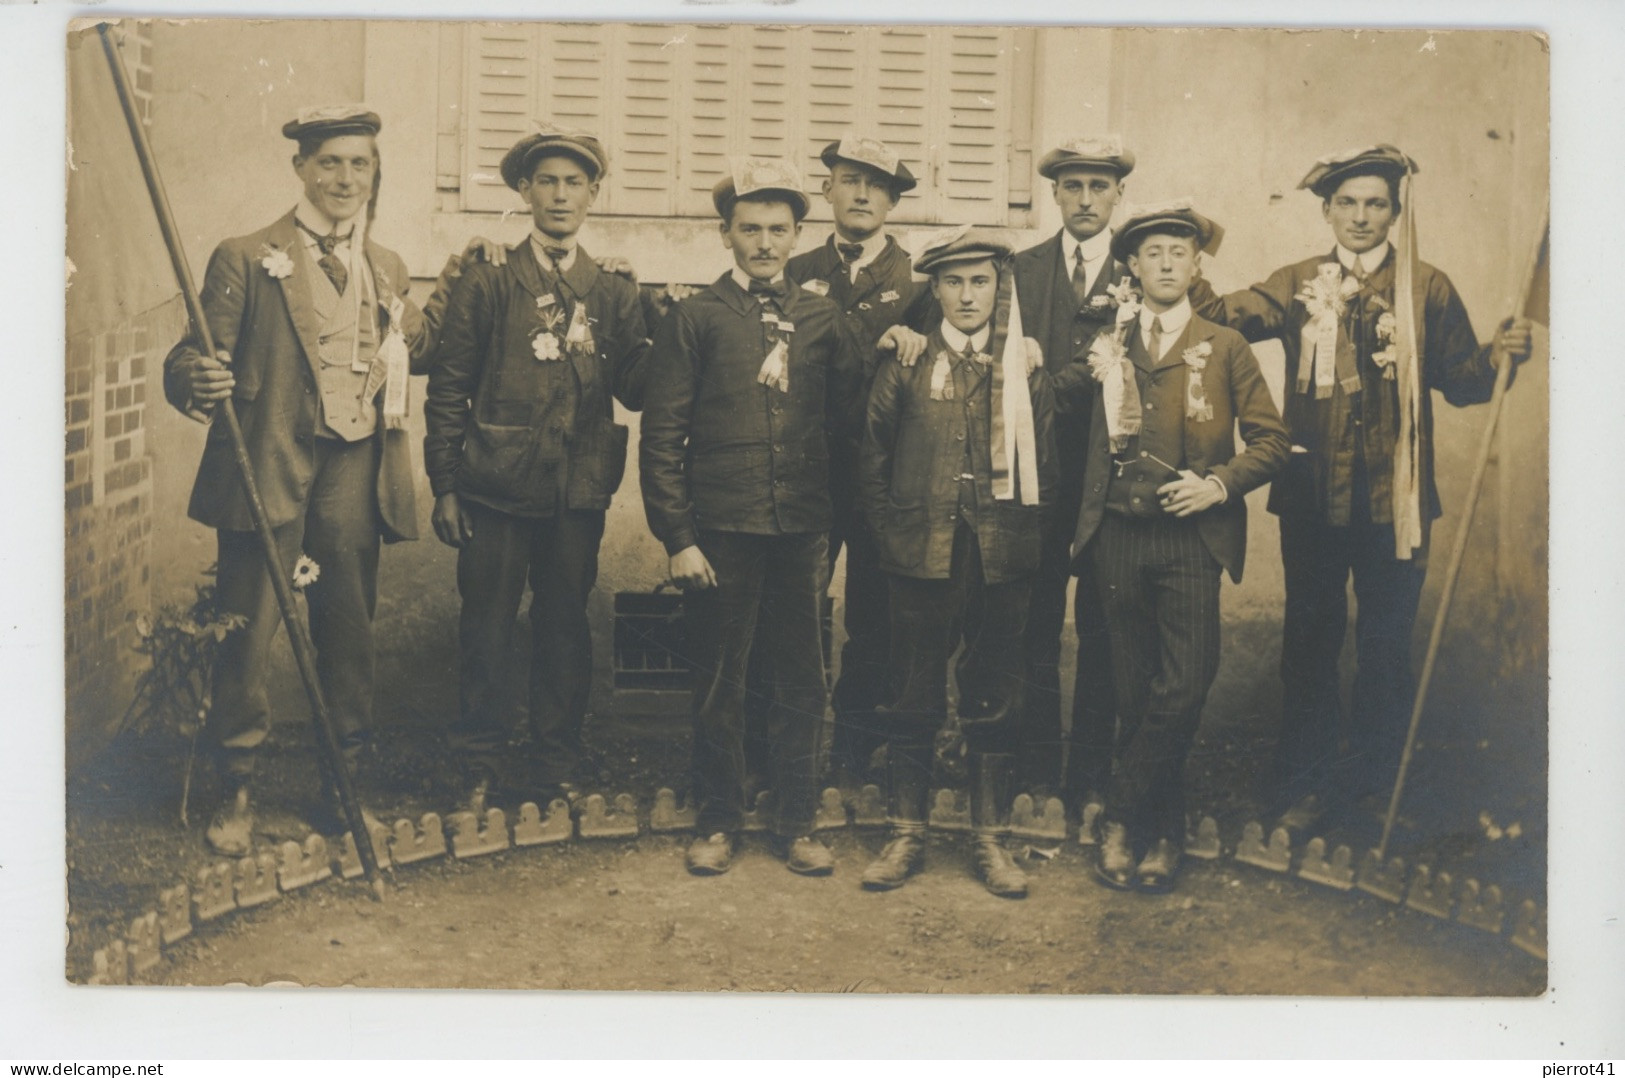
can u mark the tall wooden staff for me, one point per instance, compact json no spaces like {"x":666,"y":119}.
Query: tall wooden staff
{"x":303,"y":652}
{"x":1459,"y":550}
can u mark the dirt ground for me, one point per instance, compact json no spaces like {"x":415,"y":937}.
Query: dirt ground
{"x":625,"y":915}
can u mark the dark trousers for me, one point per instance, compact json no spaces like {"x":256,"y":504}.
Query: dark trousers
{"x":1088,"y":760}
{"x":774,"y":584}
{"x":1160,"y":588}
{"x":558,"y":555}
{"x":1092,"y":741}
{"x":1319,"y":559}
{"x":929,"y":620}
{"x":861,"y":686}
{"x":340,"y":531}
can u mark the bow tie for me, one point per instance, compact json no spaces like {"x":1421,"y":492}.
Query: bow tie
{"x":326,"y":244}
{"x":765,"y":288}
{"x":849,"y":252}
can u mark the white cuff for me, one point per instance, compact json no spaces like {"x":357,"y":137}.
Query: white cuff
{"x":1222,"y":488}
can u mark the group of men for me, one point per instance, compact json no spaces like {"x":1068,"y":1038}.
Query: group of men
{"x":974,"y":425}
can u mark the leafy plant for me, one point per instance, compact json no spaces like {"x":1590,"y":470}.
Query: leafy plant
{"x":172,"y":695}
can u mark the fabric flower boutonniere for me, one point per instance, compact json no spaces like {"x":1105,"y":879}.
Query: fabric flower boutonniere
{"x":276,"y":261}
{"x":1326,"y":294}
{"x":1197,"y":406}
{"x":1385,"y":336}
{"x":546,"y":344}
{"x":305,"y":572}
{"x":1126,"y":297}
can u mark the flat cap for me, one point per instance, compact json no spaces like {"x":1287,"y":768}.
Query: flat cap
{"x":548,"y":138}
{"x":1088,"y":151}
{"x":1330,"y":171}
{"x":966,"y":243}
{"x":329,"y":120}
{"x":871,"y":153}
{"x":755,"y":176}
{"x":1177,"y":217}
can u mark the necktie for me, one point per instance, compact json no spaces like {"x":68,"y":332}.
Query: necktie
{"x":849,"y":252}
{"x":330,"y":262}
{"x":556,"y":255}
{"x":1154,"y":339}
{"x":1080,"y":279}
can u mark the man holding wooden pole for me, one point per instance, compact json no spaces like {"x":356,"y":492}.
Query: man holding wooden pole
{"x":1369,"y":333}
{"x":314,"y":340}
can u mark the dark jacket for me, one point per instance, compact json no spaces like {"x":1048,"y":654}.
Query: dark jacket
{"x":1234,"y":386}
{"x":717,"y":449}
{"x":270,"y":328}
{"x":1319,"y":481}
{"x":913,"y":455}
{"x":512,"y":432}
{"x":885,"y":294}
{"x":1050,"y":315}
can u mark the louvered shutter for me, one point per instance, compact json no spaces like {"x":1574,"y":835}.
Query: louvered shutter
{"x":501,"y":93}
{"x":973,"y":132}
{"x":711,"y":72}
{"x":644,"y":133}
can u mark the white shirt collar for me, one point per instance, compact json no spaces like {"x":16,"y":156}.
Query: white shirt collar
{"x":318,"y":222}
{"x":1174,"y":321}
{"x":540,"y":241}
{"x":1094,"y":248}
{"x":1370,"y":261}
{"x":743,"y":279}
{"x":871,"y":249}
{"x":956,"y":340}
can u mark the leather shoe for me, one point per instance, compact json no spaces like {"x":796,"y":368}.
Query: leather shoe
{"x":1115,"y":865}
{"x":807,"y":856}
{"x":997,"y":870}
{"x":231,"y":830}
{"x":903,"y":856}
{"x":711,"y":856}
{"x":1155,"y":876}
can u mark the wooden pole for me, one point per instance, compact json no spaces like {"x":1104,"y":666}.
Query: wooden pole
{"x":1457,"y":553}
{"x":303,"y":651}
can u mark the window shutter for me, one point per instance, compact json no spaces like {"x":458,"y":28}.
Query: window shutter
{"x":711,"y":105}
{"x":643,"y":137}
{"x":973,"y":132}
{"x":501,"y":91}
{"x":899,"y":98}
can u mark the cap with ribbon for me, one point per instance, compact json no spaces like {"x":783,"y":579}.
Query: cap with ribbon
{"x":550,"y":138}
{"x":1088,"y":151}
{"x":874,"y":154}
{"x":1328,"y":173}
{"x":754,"y":177}
{"x":1176,"y":217}
{"x":328,"y":121}
{"x":965,"y":243}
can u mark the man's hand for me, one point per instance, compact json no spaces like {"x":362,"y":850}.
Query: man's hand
{"x":480,"y":249}
{"x":1514,"y":339}
{"x":453,"y":524}
{"x":1035,"y":354}
{"x":1190,"y":494}
{"x":689,"y":569}
{"x":908,"y":345}
{"x":211,"y":382}
{"x":619,"y":266}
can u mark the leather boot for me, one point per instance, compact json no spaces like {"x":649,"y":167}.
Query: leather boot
{"x":1115,"y":867}
{"x":908,"y":781}
{"x":991,"y":784}
{"x":231,"y":830}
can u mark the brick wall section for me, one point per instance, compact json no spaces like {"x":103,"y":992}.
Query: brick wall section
{"x":108,"y":519}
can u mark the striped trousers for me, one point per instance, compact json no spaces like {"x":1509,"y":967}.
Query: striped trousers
{"x":1159,"y":587}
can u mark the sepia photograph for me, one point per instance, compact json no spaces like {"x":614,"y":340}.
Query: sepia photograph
{"x":824,"y":508}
